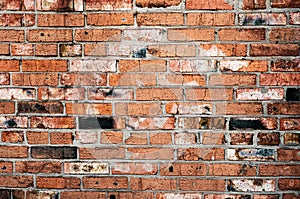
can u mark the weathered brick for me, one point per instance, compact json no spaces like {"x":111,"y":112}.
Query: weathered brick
{"x":241,"y":139}
{"x":17,"y":5}
{"x":260,"y":94}
{"x":251,"y":154}
{"x":6,"y":167}
{"x":150,"y":153}
{"x":280,"y":79}
{"x":45,"y":20}
{"x":11,"y":35}
{"x":88,"y":109}
{"x":108,"y":152}
{"x":16,"y":181}
{"x":110,"y":94}
{"x":51,"y":152}
{"x":288,"y":154}
{"x":258,"y":19}
{"x":145,"y":35}
{"x":22,"y":49}
{"x":38,"y":167}
{"x":61,"y":138}
{"x":45,"y":50}
{"x":119,"y":49}
{"x":200,"y":154}
{"x":252,"y":123}
{"x":57,"y":182}
{"x":152,"y":123}
{"x":233,"y":108}
{"x":15,"y":20}
{"x":208,"y":94}
{"x":13,"y":122}
{"x":25,"y":79}
{"x":100,"y":123}
{"x":291,"y":139}
{"x":289,"y":184}
{"x":93,"y":65}
{"x":285,"y":34}
{"x":134,"y":168}
{"x":279,"y":170}
{"x":251,"y":185}
{"x":138,"y":109}
{"x":266,"y":196}
{"x":7,"y":107}
{"x":290,"y":124}
{"x":42,"y":194}
{"x":95,"y":49}
{"x":12,"y":136}
{"x":158,"y":94}
{"x":210,"y":19}
{"x":48,"y":5}
{"x":202,"y":123}
{"x":191,"y":65}
{"x":172,"y":50}
{"x":179,"y":79}
{"x":179,"y":195}
{"x":268,"y":138}
{"x":243,"y":66}
{"x":157,"y":3}
{"x":143,"y":184}
{"x":213,"y":138}
{"x":37,"y":137}
{"x":13,"y":151}
{"x":40,"y":107}
{"x":241,"y":34}
{"x":70,"y":50}
{"x":209,"y":5}
{"x":110,"y":19}
{"x":232,"y":80}
{"x":132,"y":79}
{"x":109,"y":5}
{"x":105,"y":182}
{"x":216,"y":50}
{"x":201,"y":185}
{"x":252,"y":4}
{"x":295,"y":18}
{"x":44,"y":65}
{"x":9,"y":65}
{"x":136,"y":139}
{"x":84,"y":79}
{"x":52,"y":122}
{"x":290,"y":196}
{"x":49,"y":35}
{"x":231,"y":170}
{"x":160,"y":19}
{"x":90,"y":35}
{"x":111,"y":137}
{"x":285,"y":4}
{"x":282,"y":65}
{"x":182,"y":169}
{"x":54,"y":93}
{"x":184,"y":34}
{"x":82,"y":194}
{"x":160,"y":138}
{"x":86,"y":137}
{"x":185,"y":138}
{"x":85,"y":168}
{"x":4,"y":79}
{"x":274,"y":50}
{"x":284,"y":108}
{"x":4,"y":49}
{"x":224,"y":196}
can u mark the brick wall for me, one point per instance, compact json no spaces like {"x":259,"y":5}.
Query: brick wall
{"x":149,"y":99}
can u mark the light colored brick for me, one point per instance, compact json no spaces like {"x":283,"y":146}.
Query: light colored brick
{"x":93,"y":65}
{"x":86,"y":168}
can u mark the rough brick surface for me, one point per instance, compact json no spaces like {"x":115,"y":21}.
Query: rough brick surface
{"x":149,"y":99}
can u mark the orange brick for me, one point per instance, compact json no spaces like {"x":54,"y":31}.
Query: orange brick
{"x":285,"y":34}
{"x":143,"y":184}
{"x":280,"y":79}
{"x":13,"y":136}
{"x":61,"y":138}
{"x":49,"y":35}
{"x":11,"y":36}
{"x":172,"y":50}
{"x":159,"y":94}
{"x":52,"y":122}
{"x":105,"y":182}
{"x":136,"y":139}
{"x":241,"y":34}
{"x":244,"y":65}
{"x":157,"y":3}
{"x":138,"y":109}
{"x":251,"y":4}
{"x":70,"y":50}
{"x":239,"y":108}
{"x":213,"y":138}
{"x":57,"y":182}
{"x":201,"y":185}
{"x":22,"y":49}
{"x":84,"y":79}
{"x":231,"y":170}
{"x":150,"y":153}
{"x":214,"y":50}
{"x":16,"y":181}
{"x":161,"y":138}
{"x":15,"y":20}
{"x":134,"y":168}
{"x":132,"y":79}
{"x":102,"y":153}
{"x":108,"y":5}
{"x":13,"y":152}
{"x":44,"y":65}
{"x":142,"y":65}
{"x":88,"y":109}
{"x":274,"y":50}
{"x":210,"y":19}
{"x":7,"y":107}
{"x":184,"y":34}
{"x":110,"y":19}
{"x":200,"y":154}
{"x":37,"y":137}
{"x":208,"y":5}
{"x":4,"y":49}
{"x":17,"y":5}
{"x":182,"y":169}
{"x":232,"y":80}
{"x":95,"y":49}
{"x":152,"y":123}
{"x":160,"y":19}
{"x":208,"y":94}
{"x":23,"y":79}
{"x":98,"y":35}
{"x":7,"y":167}
{"x":46,"y":50}
{"x":45,"y":20}
{"x":111,"y":138}
{"x":289,"y":184}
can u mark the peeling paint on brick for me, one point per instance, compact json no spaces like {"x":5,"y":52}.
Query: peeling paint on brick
{"x":86,"y":168}
{"x":251,"y":154}
{"x":252,"y":185}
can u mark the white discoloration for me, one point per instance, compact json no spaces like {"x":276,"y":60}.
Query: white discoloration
{"x":124,"y":168}
{"x":192,"y":65}
{"x":191,"y":108}
{"x":16,"y":93}
{"x":78,"y":5}
{"x":93,"y":65}
{"x":254,"y":185}
{"x":233,"y":65}
{"x":181,"y":196}
{"x":86,"y":168}
{"x":119,"y":49}
{"x":4,"y":79}
{"x":214,"y":51}
{"x":230,"y":2}
{"x":184,"y":138}
{"x":20,"y":122}
{"x":148,"y":167}
{"x":86,"y":137}
{"x":153,"y":35}
{"x":259,"y":94}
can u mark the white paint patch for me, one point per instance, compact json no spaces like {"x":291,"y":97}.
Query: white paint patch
{"x":258,"y":94}
{"x":233,"y":65}
{"x":84,"y":168}
{"x":123,"y":168}
{"x":153,"y":35}
{"x":119,"y":49}
{"x":250,"y":185}
{"x":214,"y":51}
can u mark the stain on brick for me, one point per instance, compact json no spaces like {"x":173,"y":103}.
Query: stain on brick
{"x":139,"y":53}
{"x":268,"y":138}
{"x":292,"y":138}
{"x":292,"y":94}
{"x":40,"y":107}
{"x":96,"y":123}
{"x":49,"y":152}
{"x":86,"y":168}
{"x":254,"y":124}
{"x":251,"y":185}
{"x":241,"y":138}
{"x":251,"y":154}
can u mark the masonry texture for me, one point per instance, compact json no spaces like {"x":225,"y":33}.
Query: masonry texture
{"x":149,"y":99}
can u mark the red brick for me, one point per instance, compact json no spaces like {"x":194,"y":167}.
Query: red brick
{"x":4,"y":79}
{"x":178,"y":79}
{"x":201,"y":154}
{"x":210,"y":19}
{"x":183,"y":65}
{"x":22,"y":49}
{"x":25,"y":79}
{"x":212,"y":138}
{"x":6,"y":167}
{"x":231,"y":170}
{"x":45,"y":20}
{"x":82,"y":194}
{"x":172,"y":50}
{"x":4,"y":49}
{"x":15,"y":20}
{"x":288,"y":154}
{"x":160,"y":19}
{"x":88,"y":109}
{"x":268,"y":139}
{"x":284,"y":109}
{"x":16,"y":181}
{"x":285,"y":4}
{"x":110,"y":94}
{"x":110,"y":19}
{"x":55,"y":5}
{"x":13,"y":152}
{"x":244,"y":66}
{"x":269,"y":196}
{"x":290,"y":196}
{"x":102,"y":153}
{"x":111,"y":138}
{"x":279,"y":170}
{"x":95,"y":49}
{"x":83,"y":79}
{"x":134,"y":169}
{"x":289,"y":184}
{"x":132,"y":195}
{"x":136,"y":139}
{"x":132,"y":79}
{"x":46,"y":50}
{"x":38,"y":167}
{"x":185,"y":138}
{"x":13,"y":136}
{"x":143,"y":184}
{"x":253,"y":4}
{"x":9,"y":65}
{"x":161,"y":138}
{"x":57,"y":182}
{"x":150,"y":153}
{"x":156,"y":123}
{"x":52,"y":122}
{"x":7,"y":107}
{"x":44,"y":65}
{"x":49,"y":35}
{"x":105,"y":182}
{"x":157,"y":3}
{"x":37,"y":137}
{"x":241,"y":34}
{"x":11,"y":35}
{"x":188,"y":108}
{"x":274,"y":50}
{"x":109,"y":5}
{"x":61,"y":138}
{"x":259,"y":94}
{"x":52,"y":93}
{"x":90,"y":35}
{"x":232,"y":80}
{"x":233,"y":108}
{"x":194,"y":34}
{"x":280,"y":79}
{"x":208,"y":5}
{"x":182,"y":169}
{"x":159,"y":94}
{"x":285,"y":34}
{"x":282,"y":65}
{"x":201,"y":185}
{"x":70,"y":50}
{"x":208,"y":94}
{"x":250,"y":19}
{"x":241,"y":139}
{"x":216,"y":50}
{"x":295,"y":18}
{"x":138,"y":109}
{"x":17,"y":5}
{"x":290,"y":124}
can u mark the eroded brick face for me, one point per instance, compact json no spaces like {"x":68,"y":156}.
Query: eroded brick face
{"x":149,"y":99}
